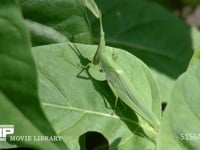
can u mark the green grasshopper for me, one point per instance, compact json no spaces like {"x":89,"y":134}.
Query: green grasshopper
{"x":120,"y":84}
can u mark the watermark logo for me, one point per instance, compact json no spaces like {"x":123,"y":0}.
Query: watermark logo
{"x":189,"y":136}
{"x":5,"y":130}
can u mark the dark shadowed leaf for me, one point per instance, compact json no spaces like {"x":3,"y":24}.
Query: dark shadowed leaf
{"x":67,"y":17}
{"x":18,"y":80}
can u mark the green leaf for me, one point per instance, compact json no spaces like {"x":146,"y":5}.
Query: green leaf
{"x":196,"y":46}
{"x":48,"y":34}
{"x":68,"y":17}
{"x":75,"y":102}
{"x":181,"y":121}
{"x":18,"y":80}
{"x":165,"y":83}
{"x":171,"y":5}
{"x":196,"y":57}
{"x":147,"y":30}
{"x":195,"y":34}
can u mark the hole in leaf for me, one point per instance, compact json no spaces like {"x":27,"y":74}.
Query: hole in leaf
{"x":164,"y":105}
{"x":93,"y":141}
